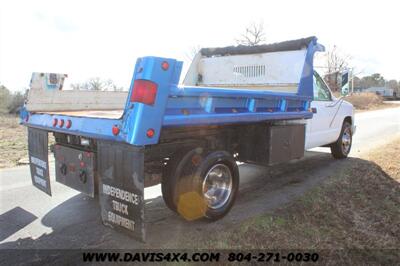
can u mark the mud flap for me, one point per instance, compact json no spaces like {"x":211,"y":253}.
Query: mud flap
{"x":121,"y":187}
{"x":38,"y":158}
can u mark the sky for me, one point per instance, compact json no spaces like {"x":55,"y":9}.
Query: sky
{"x":88,"y":39}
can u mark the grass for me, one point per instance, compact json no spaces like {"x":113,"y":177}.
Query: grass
{"x":365,"y":101}
{"x":356,"y":209}
{"x":13,"y":141}
{"x":13,"y":144}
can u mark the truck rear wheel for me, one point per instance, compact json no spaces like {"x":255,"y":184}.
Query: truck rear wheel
{"x":169,"y":178}
{"x":204,"y":184}
{"x":341,"y":148}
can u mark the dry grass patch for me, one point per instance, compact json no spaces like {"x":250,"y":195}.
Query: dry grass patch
{"x":13,"y":141}
{"x":365,"y":101}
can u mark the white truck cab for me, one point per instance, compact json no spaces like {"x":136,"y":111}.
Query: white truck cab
{"x":333,"y":120}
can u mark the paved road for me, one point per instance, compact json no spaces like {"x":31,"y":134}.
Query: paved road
{"x":31,"y":219}
{"x":392,"y":102}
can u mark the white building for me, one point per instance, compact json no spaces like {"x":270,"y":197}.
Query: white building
{"x":383,"y":91}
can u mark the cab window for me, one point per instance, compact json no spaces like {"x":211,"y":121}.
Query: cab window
{"x":321,"y":91}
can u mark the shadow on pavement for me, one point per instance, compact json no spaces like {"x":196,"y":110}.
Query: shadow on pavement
{"x":13,"y":221}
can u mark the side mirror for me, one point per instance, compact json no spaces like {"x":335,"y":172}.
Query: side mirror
{"x":345,"y":84}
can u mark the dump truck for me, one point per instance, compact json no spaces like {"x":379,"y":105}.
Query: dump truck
{"x":236,"y":104}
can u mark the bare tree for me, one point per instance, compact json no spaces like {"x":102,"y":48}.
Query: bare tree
{"x":336,"y":63}
{"x":97,"y":84}
{"x":254,"y":35}
{"x":5,"y":98}
{"x":392,"y":84}
{"x":110,"y":85}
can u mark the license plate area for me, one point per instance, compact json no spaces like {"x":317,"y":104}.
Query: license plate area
{"x":75,"y":168}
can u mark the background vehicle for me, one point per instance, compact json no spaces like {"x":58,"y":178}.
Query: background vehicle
{"x":232,"y":107}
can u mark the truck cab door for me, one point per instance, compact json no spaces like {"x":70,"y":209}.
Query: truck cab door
{"x":319,"y":128}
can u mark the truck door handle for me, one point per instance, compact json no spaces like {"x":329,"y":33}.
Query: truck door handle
{"x":314,"y":110}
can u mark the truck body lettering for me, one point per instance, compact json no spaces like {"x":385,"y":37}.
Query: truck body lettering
{"x":38,"y":162}
{"x":121,"y":221}
{"x":121,"y":194}
{"x":120,"y":207}
{"x":39,"y":171}
{"x":40,"y":181}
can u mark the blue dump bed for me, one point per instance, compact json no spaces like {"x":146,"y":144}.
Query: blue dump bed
{"x":114,"y":156}
{"x":155,"y":101}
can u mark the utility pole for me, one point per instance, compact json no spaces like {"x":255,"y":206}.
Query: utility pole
{"x":352,"y":80}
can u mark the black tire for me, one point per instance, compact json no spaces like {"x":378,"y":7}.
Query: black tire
{"x":166,"y":191}
{"x":221,"y":157}
{"x":188,"y":175}
{"x":340,"y":149}
{"x":169,"y":177}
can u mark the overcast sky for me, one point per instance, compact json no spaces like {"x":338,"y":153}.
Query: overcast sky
{"x":97,"y":38}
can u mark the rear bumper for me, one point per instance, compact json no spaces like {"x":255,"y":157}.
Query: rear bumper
{"x":98,"y":128}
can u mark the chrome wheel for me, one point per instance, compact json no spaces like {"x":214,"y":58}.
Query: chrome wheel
{"x":346,"y":140}
{"x":217,"y":186}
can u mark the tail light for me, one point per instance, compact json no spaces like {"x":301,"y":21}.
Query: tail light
{"x":115,"y":130}
{"x":68,"y":124}
{"x":165,"y":65}
{"x":144,"y":91}
{"x":150,"y":133}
